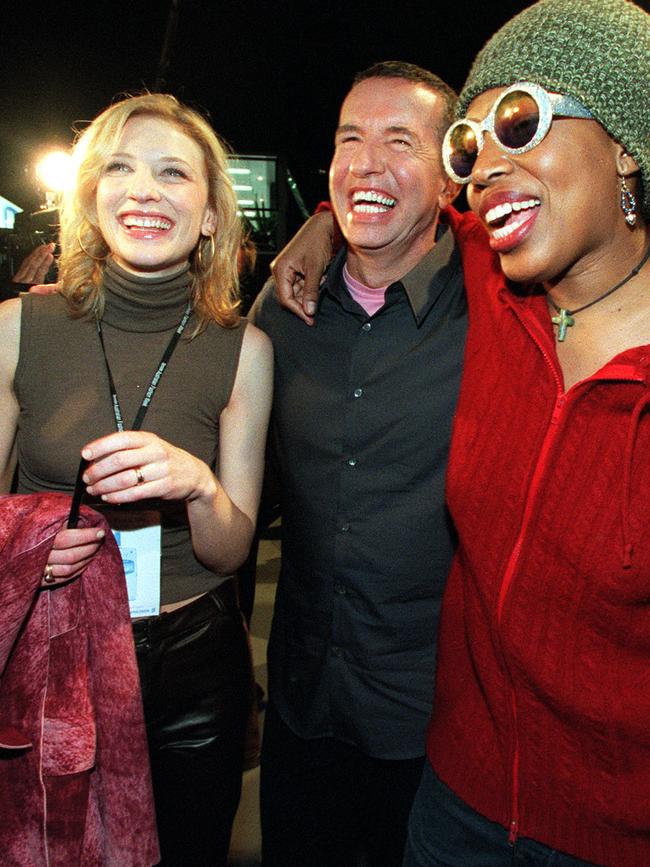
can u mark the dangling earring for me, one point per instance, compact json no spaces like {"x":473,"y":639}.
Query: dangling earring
{"x":200,"y":256}
{"x":83,"y":249}
{"x":628,"y":203}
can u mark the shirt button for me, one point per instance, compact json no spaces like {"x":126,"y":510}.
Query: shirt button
{"x":337,"y":651}
{"x":352,"y":462}
{"x":340,"y":589}
{"x":366,"y":326}
{"x":345,"y":528}
{"x":357,"y":392}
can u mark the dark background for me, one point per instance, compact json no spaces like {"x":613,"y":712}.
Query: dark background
{"x":271,"y":75}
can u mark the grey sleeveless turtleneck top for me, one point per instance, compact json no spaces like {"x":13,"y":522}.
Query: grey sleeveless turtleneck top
{"x":62,"y":389}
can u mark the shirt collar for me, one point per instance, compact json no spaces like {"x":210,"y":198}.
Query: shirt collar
{"x":423,"y":284}
{"x":426,"y":282}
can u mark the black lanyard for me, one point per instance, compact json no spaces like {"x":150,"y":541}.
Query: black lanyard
{"x":79,"y":488}
{"x":155,"y":379}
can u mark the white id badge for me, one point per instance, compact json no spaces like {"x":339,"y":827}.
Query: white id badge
{"x":138,"y":536}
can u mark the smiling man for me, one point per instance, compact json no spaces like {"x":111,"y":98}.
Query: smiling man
{"x":362,"y":420}
{"x":387,"y":182}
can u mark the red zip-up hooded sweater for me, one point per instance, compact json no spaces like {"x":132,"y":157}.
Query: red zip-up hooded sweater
{"x":542,"y":710}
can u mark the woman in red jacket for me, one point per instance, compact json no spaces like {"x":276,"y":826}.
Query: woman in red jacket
{"x":539,"y":743}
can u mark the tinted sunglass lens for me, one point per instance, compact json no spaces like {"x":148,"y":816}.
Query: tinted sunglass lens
{"x":516,"y":120}
{"x":463,"y":150}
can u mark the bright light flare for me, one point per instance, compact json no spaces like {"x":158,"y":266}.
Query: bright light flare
{"x":54,"y":171}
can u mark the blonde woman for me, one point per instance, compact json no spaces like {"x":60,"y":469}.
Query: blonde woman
{"x":142,"y":366}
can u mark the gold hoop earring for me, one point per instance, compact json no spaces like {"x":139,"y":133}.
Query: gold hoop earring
{"x":83,"y":249}
{"x":200,"y":254}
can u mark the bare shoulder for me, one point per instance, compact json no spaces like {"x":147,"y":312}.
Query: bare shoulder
{"x":10,"y":334}
{"x":256,"y":347}
{"x":254,"y":378}
{"x":10,"y":314}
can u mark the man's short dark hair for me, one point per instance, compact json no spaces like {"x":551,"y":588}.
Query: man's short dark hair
{"x":411,"y":72}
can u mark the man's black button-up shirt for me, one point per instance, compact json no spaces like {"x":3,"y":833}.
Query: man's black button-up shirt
{"x":362,"y":419}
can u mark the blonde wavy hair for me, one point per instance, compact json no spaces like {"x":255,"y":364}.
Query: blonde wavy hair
{"x":213,"y":264}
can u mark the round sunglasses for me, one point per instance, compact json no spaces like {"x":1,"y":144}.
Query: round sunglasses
{"x":518,"y":121}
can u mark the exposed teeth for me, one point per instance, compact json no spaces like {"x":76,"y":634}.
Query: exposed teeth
{"x":504,"y":231}
{"x":371,"y":196}
{"x":500,"y":211}
{"x":146,"y":222}
{"x":370,"y":209}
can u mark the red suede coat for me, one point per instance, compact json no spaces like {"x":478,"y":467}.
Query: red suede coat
{"x":75,"y":787}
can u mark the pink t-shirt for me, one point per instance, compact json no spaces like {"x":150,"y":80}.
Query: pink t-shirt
{"x":370,"y":299}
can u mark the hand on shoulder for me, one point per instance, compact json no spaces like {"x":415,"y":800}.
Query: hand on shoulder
{"x":299,"y":267}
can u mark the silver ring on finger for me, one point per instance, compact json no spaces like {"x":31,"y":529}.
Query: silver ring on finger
{"x":48,"y":576}
{"x":139,"y":475}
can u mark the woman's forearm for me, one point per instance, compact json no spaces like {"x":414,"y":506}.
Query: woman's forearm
{"x":221,"y":531}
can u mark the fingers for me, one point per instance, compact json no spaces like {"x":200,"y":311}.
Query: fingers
{"x":289,"y":289}
{"x":116,"y":464}
{"x":292,"y":300}
{"x":310,"y":293}
{"x":123,"y":476}
{"x":34,"y":267}
{"x":71,"y":552}
{"x":137,"y":465}
{"x":68,"y":540}
{"x":56,"y":574}
{"x":45,"y":289}
{"x":135,"y":483}
{"x":296,"y":307}
{"x":133,"y":465}
{"x":298,"y":269}
{"x":116,"y":442}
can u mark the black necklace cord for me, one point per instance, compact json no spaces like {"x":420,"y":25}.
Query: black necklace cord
{"x":564,"y":318}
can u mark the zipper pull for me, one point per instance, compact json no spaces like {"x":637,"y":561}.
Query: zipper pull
{"x":557,"y":409}
{"x":514,"y":832}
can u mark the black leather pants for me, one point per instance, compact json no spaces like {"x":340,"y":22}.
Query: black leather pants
{"x":196,"y":677}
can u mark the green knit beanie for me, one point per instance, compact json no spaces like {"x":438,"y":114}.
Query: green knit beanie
{"x":597,"y":51}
